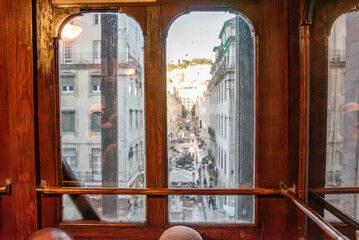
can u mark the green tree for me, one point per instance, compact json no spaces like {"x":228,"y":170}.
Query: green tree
{"x":185,"y":63}
{"x":184,"y":111}
{"x":193,"y":110}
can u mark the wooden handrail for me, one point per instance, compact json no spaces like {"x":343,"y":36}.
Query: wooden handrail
{"x":346,"y":218}
{"x":332,"y":232}
{"x":346,"y":190}
{"x":159,"y":191}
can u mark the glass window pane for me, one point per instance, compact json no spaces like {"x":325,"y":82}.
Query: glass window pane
{"x":128,"y":208}
{"x":107,"y":149}
{"x":68,"y":121}
{"x":210,"y":107}
{"x":343,"y":111}
{"x":210,"y":209}
{"x":96,"y":122}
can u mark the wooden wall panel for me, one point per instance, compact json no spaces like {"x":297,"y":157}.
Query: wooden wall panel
{"x":272,"y":118}
{"x":49,"y":165}
{"x":154,"y":233}
{"x":6,"y":218}
{"x":18,"y":119}
{"x":156,"y":131}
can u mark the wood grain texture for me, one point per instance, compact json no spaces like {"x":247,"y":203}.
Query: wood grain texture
{"x":155,"y":102}
{"x":318,"y":108}
{"x":47,"y":108}
{"x":343,"y":190}
{"x":19,"y":210}
{"x":161,"y":191}
{"x":6,"y":217}
{"x":146,"y":233}
{"x":272,"y":119}
{"x":303,"y":121}
{"x":297,"y":109}
{"x":276,"y":121}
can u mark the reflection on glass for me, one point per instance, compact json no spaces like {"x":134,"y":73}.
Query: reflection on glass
{"x":210,"y":110}
{"x":210,"y":209}
{"x":344,"y":202}
{"x":101,"y":139}
{"x":343,"y":111}
{"x":130,"y":208}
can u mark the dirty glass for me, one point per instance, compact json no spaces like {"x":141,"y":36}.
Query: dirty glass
{"x":100,"y":55}
{"x":210,"y":115}
{"x":342,"y":157}
{"x":132,"y":210}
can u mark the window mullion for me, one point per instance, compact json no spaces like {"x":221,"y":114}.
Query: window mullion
{"x":155,"y":117}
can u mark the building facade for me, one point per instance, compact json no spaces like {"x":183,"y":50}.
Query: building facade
{"x":102,"y":101}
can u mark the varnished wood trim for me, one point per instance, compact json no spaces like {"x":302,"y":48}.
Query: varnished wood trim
{"x":346,"y":190}
{"x":155,"y":107}
{"x":160,"y":191}
{"x":149,"y":233}
{"x":328,"y":229}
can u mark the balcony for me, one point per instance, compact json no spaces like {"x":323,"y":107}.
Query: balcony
{"x":222,"y":69}
{"x":80,"y":60}
{"x":336,"y":57}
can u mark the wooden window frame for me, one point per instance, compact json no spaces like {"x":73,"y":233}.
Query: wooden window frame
{"x":318,"y":25}
{"x":154,"y":18}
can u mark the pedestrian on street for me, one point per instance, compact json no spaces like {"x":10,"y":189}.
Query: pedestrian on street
{"x":135,"y":206}
{"x":182,"y":215}
{"x":214,"y":204}
{"x":210,"y":202}
{"x":205,"y":182}
{"x":198,"y":182}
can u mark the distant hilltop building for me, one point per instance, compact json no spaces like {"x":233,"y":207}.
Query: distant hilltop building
{"x":189,"y":82}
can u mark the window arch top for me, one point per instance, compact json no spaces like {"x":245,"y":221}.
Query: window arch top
{"x":210,"y":112}
{"x":101,"y":129}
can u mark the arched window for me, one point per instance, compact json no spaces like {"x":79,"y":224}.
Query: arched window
{"x":342,"y":150}
{"x":99,"y":43}
{"x":208,"y":55}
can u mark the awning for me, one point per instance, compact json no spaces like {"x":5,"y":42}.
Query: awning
{"x":180,"y":176}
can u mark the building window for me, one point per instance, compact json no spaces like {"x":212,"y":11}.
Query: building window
{"x":68,"y":52}
{"x":142,"y":117}
{"x":67,"y":83}
{"x":68,"y":121}
{"x":96,"y":52}
{"x":96,"y":84}
{"x":225,"y":127}
{"x":329,"y":178}
{"x":137,"y":112}
{"x":96,"y":19}
{"x":69,"y":154}
{"x":96,"y":122}
{"x":96,"y":164}
{"x":131,"y":119}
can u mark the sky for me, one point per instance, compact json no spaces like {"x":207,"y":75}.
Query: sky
{"x":194,"y":35}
